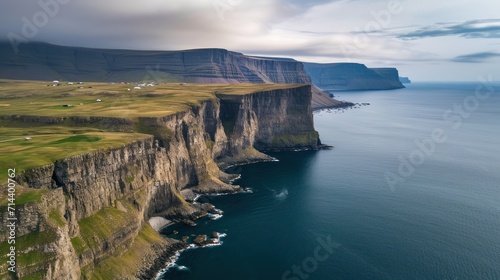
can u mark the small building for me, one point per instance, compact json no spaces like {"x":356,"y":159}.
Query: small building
{"x":70,"y":83}
{"x":55,"y":81}
{"x":28,"y":138}
{"x":137,"y":87}
{"x":98,"y":100}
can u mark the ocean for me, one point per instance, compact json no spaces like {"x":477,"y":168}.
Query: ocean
{"x":410,"y":191}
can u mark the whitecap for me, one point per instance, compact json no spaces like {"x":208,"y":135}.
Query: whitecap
{"x":247,"y":190}
{"x":282,"y":195}
{"x":172,"y":262}
{"x":214,"y":216}
{"x":235,"y":179}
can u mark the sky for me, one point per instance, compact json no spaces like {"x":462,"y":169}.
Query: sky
{"x":427,"y":40}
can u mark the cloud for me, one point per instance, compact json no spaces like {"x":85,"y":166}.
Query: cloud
{"x":482,"y":28}
{"x":476,"y":57}
{"x":310,"y":4}
{"x":154,"y":24}
{"x":316,"y":30}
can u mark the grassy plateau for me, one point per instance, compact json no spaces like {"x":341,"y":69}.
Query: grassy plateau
{"x":36,"y":129}
{"x":26,"y":145}
{"x":117,"y":100}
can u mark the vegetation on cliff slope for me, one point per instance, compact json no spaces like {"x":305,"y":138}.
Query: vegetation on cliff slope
{"x":26,"y":144}
{"x":44,"y":129}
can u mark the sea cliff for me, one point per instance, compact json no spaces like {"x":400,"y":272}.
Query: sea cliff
{"x":352,"y":76}
{"x":41,"y":61}
{"x":86,"y":216}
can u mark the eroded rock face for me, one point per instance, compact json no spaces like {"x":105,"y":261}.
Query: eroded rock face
{"x":273,"y":120}
{"x":43,"y":244}
{"x":96,"y":205}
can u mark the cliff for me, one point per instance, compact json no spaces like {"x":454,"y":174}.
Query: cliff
{"x":268,"y":112}
{"x":40,"y":61}
{"x":390,"y":74}
{"x":352,"y":76}
{"x":85,"y":216}
{"x":405,"y":80}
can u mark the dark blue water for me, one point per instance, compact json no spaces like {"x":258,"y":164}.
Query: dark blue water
{"x":439,"y":219}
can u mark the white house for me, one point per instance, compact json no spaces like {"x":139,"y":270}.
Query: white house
{"x":98,"y":100}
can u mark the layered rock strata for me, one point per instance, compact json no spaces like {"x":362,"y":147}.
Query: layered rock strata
{"x":85,"y":216}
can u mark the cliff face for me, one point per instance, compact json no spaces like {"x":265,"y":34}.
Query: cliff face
{"x":390,"y":74}
{"x":405,"y":80}
{"x":275,"y":122}
{"x":352,"y":76}
{"x":193,"y":66}
{"x":38,"y":61}
{"x":86,"y":215}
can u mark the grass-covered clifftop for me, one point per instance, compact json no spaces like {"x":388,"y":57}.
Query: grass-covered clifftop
{"x":41,"y":61}
{"x":66,"y":120}
{"x":117,"y":100}
{"x":95,"y":161}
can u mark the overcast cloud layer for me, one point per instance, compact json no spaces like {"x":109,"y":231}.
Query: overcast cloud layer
{"x":452,"y":40}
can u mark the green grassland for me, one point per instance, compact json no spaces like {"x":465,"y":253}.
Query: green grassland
{"x":50,"y":143}
{"x":36,"y":98}
{"x":24,"y":146}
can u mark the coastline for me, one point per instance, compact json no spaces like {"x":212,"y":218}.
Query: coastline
{"x":343,"y":104}
{"x":96,"y":205}
{"x":160,"y":257}
{"x":170,"y":256}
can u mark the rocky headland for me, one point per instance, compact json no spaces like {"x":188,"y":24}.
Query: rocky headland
{"x":352,"y":76}
{"x":41,"y":61}
{"x":86,"y":216}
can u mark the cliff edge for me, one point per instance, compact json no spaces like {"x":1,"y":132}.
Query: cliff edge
{"x":41,"y":61}
{"x":352,"y":76}
{"x":85,"y":216}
